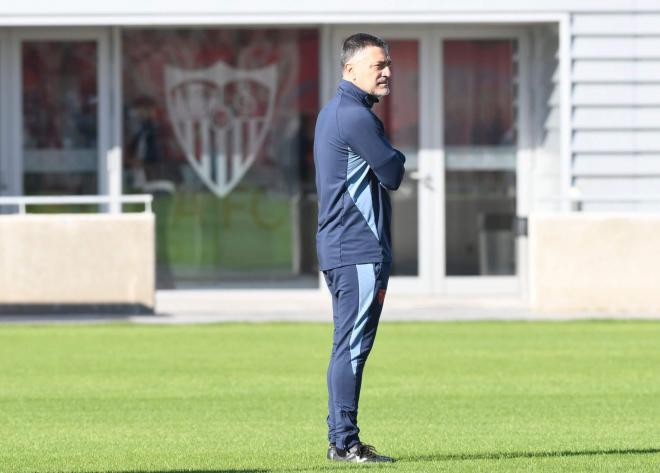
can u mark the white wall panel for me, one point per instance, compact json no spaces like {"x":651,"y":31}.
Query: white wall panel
{"x":621,"y":118}
{"x":608,"y":47}
{"x":616,"y":71}
{"x":616,"y":94}
{"x":622,"y":165}
{"x":619,"y":187}
{"x":617,"y":24}
{"x":616,"y":108}
{"x":616,"y":141}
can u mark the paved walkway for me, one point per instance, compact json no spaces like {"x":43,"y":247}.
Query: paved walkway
{"x":307,"y":305}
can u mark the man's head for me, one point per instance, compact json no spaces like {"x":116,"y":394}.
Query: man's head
{"x":366,"y":63}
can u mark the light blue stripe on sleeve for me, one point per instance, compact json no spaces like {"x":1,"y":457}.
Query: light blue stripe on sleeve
{"x":357,"y":177}
{"x":366,"y":287}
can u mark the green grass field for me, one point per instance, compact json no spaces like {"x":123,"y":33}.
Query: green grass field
{"x":454,"y":397}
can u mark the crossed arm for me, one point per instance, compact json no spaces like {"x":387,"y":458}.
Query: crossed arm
{"x":364,"y":134}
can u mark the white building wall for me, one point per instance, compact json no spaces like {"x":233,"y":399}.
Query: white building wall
{"x":616,"y":109}
{"x":615,"y":72}
{"x":82,"y":12}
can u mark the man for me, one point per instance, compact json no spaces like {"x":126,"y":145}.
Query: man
{"x":355,"y":167}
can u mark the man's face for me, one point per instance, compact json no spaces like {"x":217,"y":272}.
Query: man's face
{"x":370,"y":69}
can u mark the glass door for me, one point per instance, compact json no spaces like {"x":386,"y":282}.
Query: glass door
{"x":480,"y":137}
{"x":456,"y":110}
{"x":61,"y":112}
{"x":400,"y":113}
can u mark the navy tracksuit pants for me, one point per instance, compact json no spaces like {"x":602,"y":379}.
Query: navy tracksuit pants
{"x":358,"y":293}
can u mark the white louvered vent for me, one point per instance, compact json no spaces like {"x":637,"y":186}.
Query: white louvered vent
{"x":616,"y":109}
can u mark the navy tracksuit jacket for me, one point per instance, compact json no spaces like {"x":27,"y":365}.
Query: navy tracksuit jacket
{"x":355,"y":167}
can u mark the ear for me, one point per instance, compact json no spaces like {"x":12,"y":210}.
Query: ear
{"x":348,"y":69}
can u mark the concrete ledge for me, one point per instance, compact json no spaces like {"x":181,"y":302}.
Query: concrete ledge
{"x":75,"y":309}
{"x":77,"y":261}
{"x":598,"y":263}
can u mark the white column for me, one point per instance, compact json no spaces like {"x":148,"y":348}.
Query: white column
{"x":114,"y":155}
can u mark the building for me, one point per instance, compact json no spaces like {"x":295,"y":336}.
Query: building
{"x":505,"y":109}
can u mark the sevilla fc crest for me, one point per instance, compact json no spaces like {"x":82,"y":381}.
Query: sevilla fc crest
{"x":221,"y":116}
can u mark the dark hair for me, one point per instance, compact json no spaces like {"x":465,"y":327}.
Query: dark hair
{"x":358,"y":42}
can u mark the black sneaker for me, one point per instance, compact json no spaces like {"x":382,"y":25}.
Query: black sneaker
{"x":332,"y":452}
{"x":358,"y":453}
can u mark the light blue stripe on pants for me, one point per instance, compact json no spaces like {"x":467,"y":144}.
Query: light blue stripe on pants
{"x":357,"y":292}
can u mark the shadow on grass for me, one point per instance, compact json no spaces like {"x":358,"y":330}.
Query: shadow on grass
{"x":230,"y":470}
{"x":511,"y":455}
{"x":432,"y":457}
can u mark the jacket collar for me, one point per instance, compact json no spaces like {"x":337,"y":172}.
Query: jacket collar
{"x":358,"y":93}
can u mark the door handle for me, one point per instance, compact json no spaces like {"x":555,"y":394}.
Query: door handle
{"x":520,"y":226}
{"x":425,"y":179}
